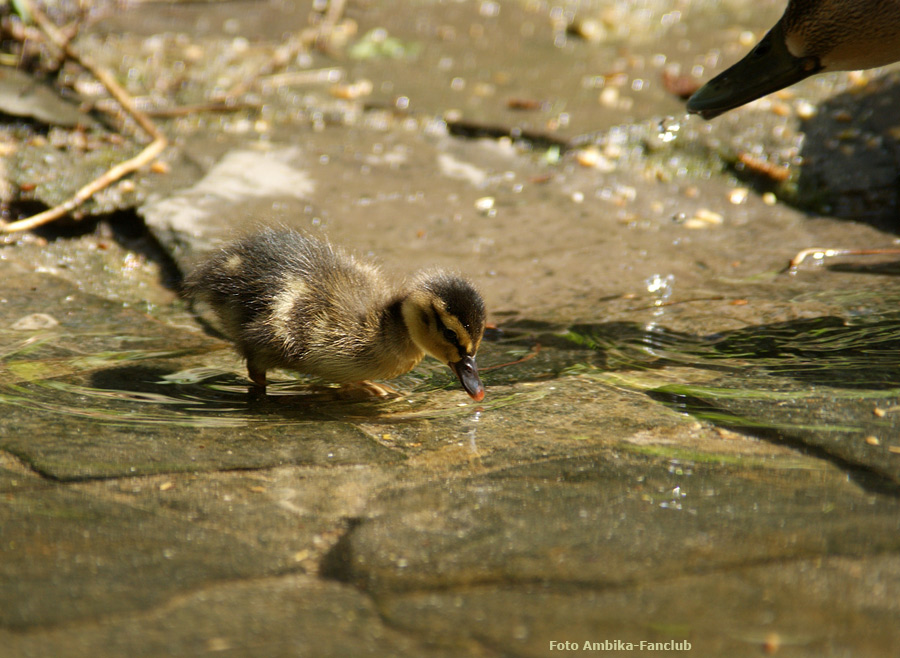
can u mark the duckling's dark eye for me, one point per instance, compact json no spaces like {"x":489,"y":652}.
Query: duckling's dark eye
{"x":449,"y":336}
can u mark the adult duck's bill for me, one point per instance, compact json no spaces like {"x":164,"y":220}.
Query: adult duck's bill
{"x":770,"y":66}
{"x":467,"y":373}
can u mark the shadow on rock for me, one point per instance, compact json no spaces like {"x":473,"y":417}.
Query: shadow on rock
{"x":891,"y":268}
{"x":158,"y":380}
{"x":851,"y":156}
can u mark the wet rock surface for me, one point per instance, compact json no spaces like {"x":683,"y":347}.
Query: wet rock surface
{"x":679,"y":442}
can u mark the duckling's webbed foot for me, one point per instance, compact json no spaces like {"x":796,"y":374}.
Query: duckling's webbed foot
{"x":370,"y":389}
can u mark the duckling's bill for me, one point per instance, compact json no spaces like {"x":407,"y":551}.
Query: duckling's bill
{"x":770,"y":66}
{"x":467,"y":372}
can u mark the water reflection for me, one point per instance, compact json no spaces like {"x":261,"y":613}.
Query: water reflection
{"x":155,"y":391}
{"x":861,"y":353}
{"x":854,"y":359}
{"x":826,"y":382}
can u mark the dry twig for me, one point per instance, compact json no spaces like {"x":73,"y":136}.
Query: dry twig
{"x":187,"y":110}
{"x":151,"y":151}
{"x":286,"y":53}
{"x":818,"y":253}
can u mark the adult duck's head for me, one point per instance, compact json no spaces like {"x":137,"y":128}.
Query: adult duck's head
{"x":811,"y":37}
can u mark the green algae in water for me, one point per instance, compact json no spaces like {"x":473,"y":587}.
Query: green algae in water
{"x":687,"y":455}
{"x":816,"y":382}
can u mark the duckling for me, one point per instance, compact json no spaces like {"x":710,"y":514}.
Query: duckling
{"x":813,"y":36}
{"x":291,"y":301}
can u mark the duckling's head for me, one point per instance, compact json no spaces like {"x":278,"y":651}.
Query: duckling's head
{"x":813,"y":36}
{"x":444,"y":315}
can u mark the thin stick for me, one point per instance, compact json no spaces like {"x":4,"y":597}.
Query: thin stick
{"x":187,"y":110}
{"x":284,"y":55}
{"x":122,"y":169}
{"x":817,"y":253}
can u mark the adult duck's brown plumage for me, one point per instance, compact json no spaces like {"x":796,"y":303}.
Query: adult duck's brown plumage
{"x":290,"y":301}
{"x":813,"y":36}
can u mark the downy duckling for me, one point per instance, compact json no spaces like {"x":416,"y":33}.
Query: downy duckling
{"x":290,"y":301}
{"x":813,"y":36}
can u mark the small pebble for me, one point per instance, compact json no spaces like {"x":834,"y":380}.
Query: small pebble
{"x":587,"y":29}
{"x":609,"y":97}
{"x":193,"y":52}
{"x":738,"y":195}
{"x":806,"y":110}
{"x":709,"y":216}
{"x":591,"y":157}
{"x":772,"y":643}
{"x":781,"y":109}
{"x":34,"y":322}
{"x":484,"y":204}
{"x":587,"y":157}
{"x":352,"y":91}
{"x":703,"y":218}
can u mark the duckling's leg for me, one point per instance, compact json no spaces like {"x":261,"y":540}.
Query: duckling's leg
{"x":257,"y":375}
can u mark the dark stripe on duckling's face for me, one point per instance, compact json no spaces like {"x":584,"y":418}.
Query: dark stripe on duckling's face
{"x":448,"y":334}
{"x":445,"y":318}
